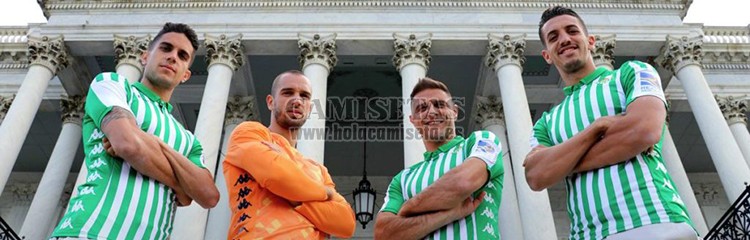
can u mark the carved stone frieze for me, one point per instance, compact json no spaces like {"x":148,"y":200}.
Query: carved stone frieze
{"x":411,"y":50}
{"x":505,"y":50}
{"x":317,"y":50}
{"x":225,"y":50}
{"x":49,"y":52}
{"x":128,"y":49}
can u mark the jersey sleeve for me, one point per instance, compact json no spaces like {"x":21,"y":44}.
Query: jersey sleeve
{"x":640,"y":79}
{"x":196,"y":154}
{"x":108,"y":90}
{"x":486,"y":146}
{"x":540,"y":133}
{"x":394,"y":197}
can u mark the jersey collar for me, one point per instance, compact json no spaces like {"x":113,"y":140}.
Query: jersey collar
{"x":152,"y":95}
{"x":586,"y":80}
{"x":445,"y":147}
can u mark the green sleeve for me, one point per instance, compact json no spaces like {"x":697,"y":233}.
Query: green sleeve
{"x":394,"y":197}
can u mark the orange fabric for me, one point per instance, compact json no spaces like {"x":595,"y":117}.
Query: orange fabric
{"x":263,"y":174}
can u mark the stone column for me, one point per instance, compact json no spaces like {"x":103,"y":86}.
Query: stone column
{"x":44,"y":206}
{"x":676,"y":171}
{"x":505,"y":56}
{"x":47,"y":56}
{"x":317,"y":57}
{"x":682,"y":56}
{"x":128,"y":50}
{"x":224,"y":55}
{"x":5,"y":102}
{"x":490,"y":117}
{"x":734,"y":112}
{"x":411,"y":57}
{"x":239,"y":109}
{"x":604,"y":52}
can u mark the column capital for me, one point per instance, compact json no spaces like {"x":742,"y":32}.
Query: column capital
{"x":604,"y":50}
{"x":5,"y":102}
{"x":72,"y":109}
{"x":506,"y":49}
{"x":239,"y":109}
{"x":679,"y":52}
{"x":733,"y":109}
{"x":49,"y":52}
{"x":411,"y":49}
{"x":128,"y":49}
{"x":489,"y":111}
{"x":223,"y":49}
{"x":317,"y":50}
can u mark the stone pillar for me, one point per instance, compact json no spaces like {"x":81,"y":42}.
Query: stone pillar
{"x":224,"y":55}
{"x":734,"y":112}
{"x":505,"y":56}
{"x":317,"y":57}
{"x":239,"y":109}
{"x":604,"y":52}
{"x":411,"y":57}
{"x":128,"y":51}
{"x":47,"y":56}
{"x":490,"y":117}
{"x":682,"y":56}
{"x":5,"y":102}
{"x":676,"y":171}
{"x":44,"y":206}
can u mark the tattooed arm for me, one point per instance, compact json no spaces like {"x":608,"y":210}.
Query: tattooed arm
{"x":139,"y":149}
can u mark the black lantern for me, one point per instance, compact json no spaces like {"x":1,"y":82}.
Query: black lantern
{"x":364,"y":202}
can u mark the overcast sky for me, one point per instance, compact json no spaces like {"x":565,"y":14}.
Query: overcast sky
{"x":709,"y":12}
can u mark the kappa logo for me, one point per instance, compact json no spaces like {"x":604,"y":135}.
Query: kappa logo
{"x":87,"y":191}
{"x":98,"y":163}
{"x":96,"y":135}
{"x":78,"y":206}
{"x":99,"y":148}
{"x":66,"y":224}
{"x":488,"y":198}
{"x":93,"y":177}
{"x":488,"y":213}
{"x":605,"y":80}
{"x":489,"y":229}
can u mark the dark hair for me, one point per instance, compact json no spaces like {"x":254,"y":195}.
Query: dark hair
{"x":177,"y":28}
{"x":554,"y":12}
{"x":428,"y":83}
{"x":278,"y":77}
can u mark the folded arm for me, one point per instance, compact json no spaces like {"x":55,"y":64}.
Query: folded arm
{"x":392,"y":226}
{"x":546,"y":166}
{"x":635,"y":132}
{"x":334,"y":216}
{"x":250,"y":149}
{"x":124,"y":139}
{"x":449,"y":190}
{"x":197,"y":182}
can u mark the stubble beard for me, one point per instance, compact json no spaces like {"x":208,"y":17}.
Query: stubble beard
{"x":157,"y":80}
{"x":287,"y":122}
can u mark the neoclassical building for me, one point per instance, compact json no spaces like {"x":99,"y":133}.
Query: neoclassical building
{"x":363,"y":57}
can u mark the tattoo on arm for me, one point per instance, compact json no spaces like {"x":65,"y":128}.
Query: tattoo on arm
{"x":116,"y":113}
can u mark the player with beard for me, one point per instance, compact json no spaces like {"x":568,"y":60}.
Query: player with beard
{"x":604,"y":142}
{"x":455,"y":192}
{"x":274,"y":191}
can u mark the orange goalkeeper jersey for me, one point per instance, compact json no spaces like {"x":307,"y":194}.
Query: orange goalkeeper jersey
{"x":264,"y":174}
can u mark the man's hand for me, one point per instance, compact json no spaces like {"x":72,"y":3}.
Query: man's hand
{"x":108,"y":147}
{"x":467,"y":207}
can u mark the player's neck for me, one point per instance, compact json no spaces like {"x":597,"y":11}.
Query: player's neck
{"x":164,"y":94}
{"x":573,"y":78}
{"x":432,"y":145}
{"x":289,"y":134}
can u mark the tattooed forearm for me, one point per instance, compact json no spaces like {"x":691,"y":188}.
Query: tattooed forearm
{"x":116,"y":113}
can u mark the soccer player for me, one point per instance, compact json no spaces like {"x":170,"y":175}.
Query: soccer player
{"x":141,"y":162}
{"x":274,"y":191}
{"x":455,"y":192}
{"x":604,"y":141}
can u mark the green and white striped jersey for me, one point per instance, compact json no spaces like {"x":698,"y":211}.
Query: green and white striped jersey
{"x":623,"y":196}
{"x":483,"y":223}
{"x":116,"y":201}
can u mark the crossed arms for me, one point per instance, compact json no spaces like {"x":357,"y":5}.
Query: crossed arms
{"x":607,"y":141}
{"x":151,"y":157}
{"x":446,"y":200}
{"x":251,"y":149}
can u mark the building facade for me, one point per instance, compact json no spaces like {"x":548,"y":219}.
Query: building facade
{"x":363,"y":58}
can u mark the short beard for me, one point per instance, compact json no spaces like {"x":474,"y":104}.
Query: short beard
{"x":573,"y":66}
{"x":287,"y":122}
{"x":157,"y":81}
